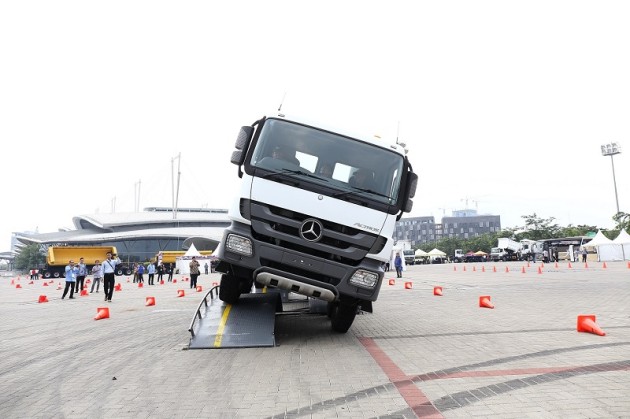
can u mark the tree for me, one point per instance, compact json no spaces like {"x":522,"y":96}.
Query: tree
{"x":623,"y":221}
{"x":30,"y":257}
{"x":538,"y":228}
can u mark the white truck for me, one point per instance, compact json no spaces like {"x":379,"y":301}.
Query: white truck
{"x":531,"y":250}
{"x":506,"y":250}
{"x":294,"y":226}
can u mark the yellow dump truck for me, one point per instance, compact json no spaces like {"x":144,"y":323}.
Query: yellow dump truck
{"x":170,"y":256}
{"x":58,"y":258}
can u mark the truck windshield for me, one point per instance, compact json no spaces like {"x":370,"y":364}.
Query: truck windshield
{"x":346,"y":166}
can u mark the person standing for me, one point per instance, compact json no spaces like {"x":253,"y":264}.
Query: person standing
{"x":140,"y":273}
{"x":169,"y":271}
{"x":160,"y":272}
{"x":205,"y":267}
{"x":194,"y":272}
{"x":71,"y":279}
{"x":584,"y":254}
{"x":398,"y":265}
{"x":151,"y":272}
{"x":109,"y":275}
{"x":97,"y":275}
{"x":82,"y":273}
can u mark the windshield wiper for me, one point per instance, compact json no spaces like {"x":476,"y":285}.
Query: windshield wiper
{"x":290,"y":172}
{"x":356,"y":192}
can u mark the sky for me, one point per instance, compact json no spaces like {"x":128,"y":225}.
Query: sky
{"x":503,"y":105}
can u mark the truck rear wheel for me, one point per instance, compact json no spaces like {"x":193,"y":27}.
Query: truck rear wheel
{"x":47,"y":275}
{"x":342,"y":315}
{"x":230,"y":289}
{"x":56,"y":274}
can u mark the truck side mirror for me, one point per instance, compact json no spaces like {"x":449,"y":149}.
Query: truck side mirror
{"x":408,"y":206}
{"x":238,"y":157}
{"x":243,"y":138}
{"x":412,"y":183}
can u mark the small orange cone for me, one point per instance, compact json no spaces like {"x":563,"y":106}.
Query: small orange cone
{"x":570,"y":265}
{"x":128,"y":280}
{"x":604,"y":265}
{"x":628,"y":265}
{"x":118,"y":287}
{"x":84,"y":292}
{"x":45,"y":284}
{"x":484,"y":302}
{"x":102,"y":313}
{"x":483,"y":269}
{"x":528,"y":264}
{"x":437,"y":290}
{"x":586,"y":265}
{"x":43,"y":299}
{"x":474,"y":269}
{"x":13,"y":282}
{"x":494,"y":269}
{"x":88,"y":281}
{"x":507,"y":269}
{"x":180,"y":293}
{"x":408,"y":285}
{"x":199,"y":288}
{"x":539,"y":270}
{"x":454,"y":268}
{"x":140,"y":284}
{"x":18,"y":286}
{"x":162,"y":282}
{"x":523,"y":270}
{"x":150,"y":301}
{"x":556,"y":265}
{"x":174,"y":281}
{"x":586,"y":323}
{"x":464,"y":268}
{"x":31,"y":283}
{"x":216,"y":284}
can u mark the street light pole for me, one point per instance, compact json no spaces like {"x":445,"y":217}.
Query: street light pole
{"x":610,"y":150}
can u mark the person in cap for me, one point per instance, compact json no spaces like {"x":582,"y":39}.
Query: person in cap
{"x":71,"y":279}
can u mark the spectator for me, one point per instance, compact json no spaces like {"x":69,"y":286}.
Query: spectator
{"x":97,"y":275}
{"x":140,"y":273}
{"x":584,"y":254}
{"x":71,"y":279}
{"x":151,"y":272}
{"x":205,"y":267}
{"x":109,"y":275}
{"x":169,"y":271}
{"x":194,"y":272}
{"x":81,"y":274}
{"x":398,"y":265}
{"x":160,"y":272}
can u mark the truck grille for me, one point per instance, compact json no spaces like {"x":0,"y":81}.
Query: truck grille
{"x":340,"y":243}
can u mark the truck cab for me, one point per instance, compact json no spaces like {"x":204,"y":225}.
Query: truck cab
{"x":410,"y":256}
{"x":315,"y":214}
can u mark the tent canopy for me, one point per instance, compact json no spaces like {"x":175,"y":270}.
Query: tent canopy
{"x":192,"y":251}
{"x":480,"y":253}
{"x":622,"y":238}
{"x":436,"y":252}
{"x":598,"y":240}
{"x":420,"y":252}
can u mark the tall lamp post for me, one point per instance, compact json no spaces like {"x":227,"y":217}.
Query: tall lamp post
{"x":610,"y":150}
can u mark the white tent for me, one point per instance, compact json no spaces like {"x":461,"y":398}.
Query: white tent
{"x":182,"y":263}
{"x":437,"y":253}
{"x":623,"y":239}
{"x":607,"y":250}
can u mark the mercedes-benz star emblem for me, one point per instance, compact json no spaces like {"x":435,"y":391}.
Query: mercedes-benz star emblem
{"x":311,"y":230}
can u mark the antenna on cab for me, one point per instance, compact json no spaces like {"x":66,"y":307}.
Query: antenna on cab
{"x":282,"y":101}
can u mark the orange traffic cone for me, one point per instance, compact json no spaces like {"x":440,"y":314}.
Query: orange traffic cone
{"x":494,"y":269}
{"x":628,"y":265}
{"x":528,"y":264}
{"x":199,"y":288}
{"x":150,"y":301}
{"x":84,"y":292}
{"x":586,"y":323}
{"x":483,"y":269}
{"x":570,"y":265}
{"x":31,"y":283}
{"x":45,"y":284}
{"x":18,"y":286}
{"x":523,"y":270}
{"x":484,"y":302}
{"x":586,"y":265}
{"x":437,"y":290}
{"x":454,"y":268}
{"x":102,"y":313}
{"x":118,"y":287}
{"x":507,"y":269}
{"x":408,"y":285}
{"x":392,"y":282}
{"x":604,"y":265}
{"x":539,"y":270}
{"x":128,"y":280}
{"x":556,"y":265}
{"x":162,"y":282}
{"x":43,"y":299}
{"x":464,"y":268}
{"x":174,"y":281}
{"x":180,"y":293}
{"x":140,"y":284}
{"x":474,"y":269}
{"x":88,"y":281}
{"x":13,"y":282}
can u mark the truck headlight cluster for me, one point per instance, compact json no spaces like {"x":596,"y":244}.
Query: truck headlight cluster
{"x":364,"y":279}
{"x":239,"y":244}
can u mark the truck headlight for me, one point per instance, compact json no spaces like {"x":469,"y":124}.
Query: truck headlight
{"x":239,"y":244}
{"x":364,"y":279}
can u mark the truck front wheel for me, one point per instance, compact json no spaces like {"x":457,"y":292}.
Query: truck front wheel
{"x":342,"y":315}
{"x":230,"y":289}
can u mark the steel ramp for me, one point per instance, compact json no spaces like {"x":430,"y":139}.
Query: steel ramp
{"x":248,"y":323}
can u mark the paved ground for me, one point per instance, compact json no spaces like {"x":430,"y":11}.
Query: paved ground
{"x":417,"y":355}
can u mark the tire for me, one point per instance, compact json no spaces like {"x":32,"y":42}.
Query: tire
{"x":119,"y":272}
{"x":56,"y":274}
{"x":342,"y":316}
{"x":230,"y":289}
{"x":127,"y":271}
{"x":47,"y":275}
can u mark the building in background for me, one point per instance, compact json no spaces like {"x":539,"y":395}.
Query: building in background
{"x":462,"y":224}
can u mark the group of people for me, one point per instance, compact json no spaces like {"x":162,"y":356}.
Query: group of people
{"x":106,"y":271}
{"x":151,"y":270}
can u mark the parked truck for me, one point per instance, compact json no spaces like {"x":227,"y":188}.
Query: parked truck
{"x":506,"y":250}
{"x":326,"y":234}
{"x":58,"y":257}
{"x":531,"y":250}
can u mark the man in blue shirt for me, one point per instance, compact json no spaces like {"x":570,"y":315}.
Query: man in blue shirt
{"x":109,"y":275}
{"x":71,"y":278}
{"x":81,"y":274}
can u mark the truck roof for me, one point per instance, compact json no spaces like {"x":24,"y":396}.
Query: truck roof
{"x":352,"y":133}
